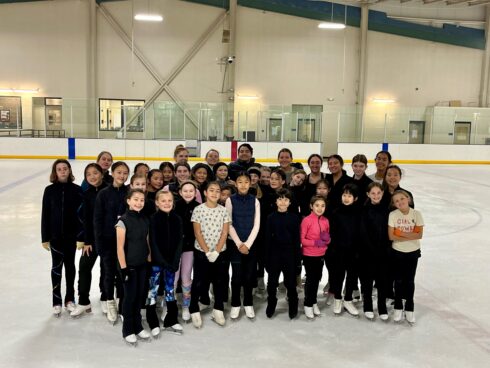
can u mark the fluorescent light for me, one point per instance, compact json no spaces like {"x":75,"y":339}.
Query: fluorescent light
{"x":383,"y":100}
{"x":15,"y":90}
{"x":149,"y":17}
{"x":247,"y":97}
{"x":331,"y":25}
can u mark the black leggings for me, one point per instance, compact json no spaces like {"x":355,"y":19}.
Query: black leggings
{"x":284,"y":262}
{"x":405,"y":266}
{"x":85,"y":267}
{"x":313,"y":268}
{"x":243,"y":274}
{"x":343,"y":268}
{"x":205,"y":273}
{"x":63,"y":254}
{"x":374,"y":270}
{"x":112,"y":278}
{"x":133,"y":295}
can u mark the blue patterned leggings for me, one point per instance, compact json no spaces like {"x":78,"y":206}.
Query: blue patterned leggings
{"x":168,"y":277}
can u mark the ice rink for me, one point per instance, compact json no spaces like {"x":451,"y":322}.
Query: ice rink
{"x":452,"y":295}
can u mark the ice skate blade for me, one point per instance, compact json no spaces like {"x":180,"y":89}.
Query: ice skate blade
{"x":131,"y":344}
{"x":147,"y":340}
{"x":352,"y":315}
{"x":56,"y":315}
{"x":88,"y":311}
{"x":219,"y":324}
{"x":173,"y":331}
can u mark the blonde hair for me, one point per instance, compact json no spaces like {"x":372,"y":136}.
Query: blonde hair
{"x":163,"y":192}
{"x":401,"y":192}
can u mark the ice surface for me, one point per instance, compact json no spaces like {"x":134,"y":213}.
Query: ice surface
{"x":451,"y":298}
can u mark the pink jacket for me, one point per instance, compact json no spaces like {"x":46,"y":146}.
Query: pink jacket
{"x":311,"y":227}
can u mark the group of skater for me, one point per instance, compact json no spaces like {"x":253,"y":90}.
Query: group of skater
{"x":179,"y":230}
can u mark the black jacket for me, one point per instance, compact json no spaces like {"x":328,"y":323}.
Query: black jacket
{"x":236,"y":167}
{"x":386,"y":200}
{"x":335,"y":194}
{"x":362,"y":185}
{"x":374,"y":232}
{"x":59,"y":217}
{"x":345,"y":224}
{"x":86,"y":213}
{"x":283,"y":236}
{"x":184,"y":210}
{"x":110,"y":204}
{"x":166,"y":236}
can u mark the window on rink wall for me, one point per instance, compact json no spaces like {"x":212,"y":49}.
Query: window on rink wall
{"x":306,"y":123}
{"x":115,"y":114}
{"x":10,"y":112}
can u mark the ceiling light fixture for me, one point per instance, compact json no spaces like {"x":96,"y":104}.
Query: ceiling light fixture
{"x":247,"y":97}
{"x":149,"y":17}
{"x":331,"y":25}
{"x":17,"y":90}
{"x":383,"y":100}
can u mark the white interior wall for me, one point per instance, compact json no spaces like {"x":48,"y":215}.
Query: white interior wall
{"x":282,"y":59}
{"x":45,"y":47}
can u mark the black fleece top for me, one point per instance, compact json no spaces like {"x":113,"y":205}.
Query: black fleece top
{"x":166,"y":236}
{"x":335,"y":194}
{"x":345,"y":228}
{"x":110,"y":204}
{"x":386,"y":200}
{"x":59,"y":216}
{"x":374,"y":231}
{"x":283,"y":235}
{"x":184,"y":210}
{"x":88,"y":208}
{"x":236,"y":167}
{"x":362,"y":185}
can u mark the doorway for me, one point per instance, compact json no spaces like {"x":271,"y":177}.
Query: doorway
{"x":416,"y":132}
{"x":462,"y":132}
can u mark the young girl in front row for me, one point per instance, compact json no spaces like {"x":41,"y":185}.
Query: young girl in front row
{"x":166,"y":248}
{"x":282,"y":253}
{"x":342,"y":253}
{"x":59,"y":228}
{"x":374,"y":253}
{"x":133,"y":254}
{"x":315,"y":237}
{"x":244,"y":210}
{"x":184,"y":207}
{"x":405,"y":229}
{"x":211,"y":223}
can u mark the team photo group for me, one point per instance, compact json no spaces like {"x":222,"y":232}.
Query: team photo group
{"x":178,"y":240}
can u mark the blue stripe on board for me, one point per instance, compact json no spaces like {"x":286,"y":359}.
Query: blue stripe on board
{"x":22,"y":181}
{"x":71,"y":148}
{"x":385,"y":147}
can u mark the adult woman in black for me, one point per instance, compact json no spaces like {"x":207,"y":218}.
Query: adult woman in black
{"x":336,"y":179}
